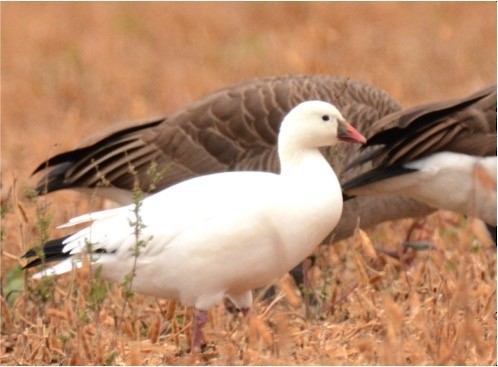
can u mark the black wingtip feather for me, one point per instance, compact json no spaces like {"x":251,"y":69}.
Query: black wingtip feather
{"x":52,"y":251}
{"x":48,"y":259}
{"x":53,"y":180}
{"x":375,"y":175}
{"x":66,"y":157}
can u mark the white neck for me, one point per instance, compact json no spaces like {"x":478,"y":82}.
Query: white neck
{"x":310,"y":177}
{"x":315,"y":195}
{"x":298,"y":160}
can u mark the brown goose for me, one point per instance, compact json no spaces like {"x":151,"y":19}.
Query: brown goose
{"x":443,"y":154}
{"x":231,"y":129}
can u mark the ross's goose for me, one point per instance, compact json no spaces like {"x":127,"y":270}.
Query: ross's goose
{"x":443,"y":154}
{"x":222,"y":234}
{"x":232,"y":129}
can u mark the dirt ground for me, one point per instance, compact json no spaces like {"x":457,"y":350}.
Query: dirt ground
{"x":71,"y":69}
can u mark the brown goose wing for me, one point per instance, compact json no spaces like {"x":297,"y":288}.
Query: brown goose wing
{"x":82,"y":167}
{"x":236,"y":128}
{"x":232,"y":129}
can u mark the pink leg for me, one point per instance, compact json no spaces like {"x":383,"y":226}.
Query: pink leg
{"x":200,"y":320}
{"x":245,"y":311}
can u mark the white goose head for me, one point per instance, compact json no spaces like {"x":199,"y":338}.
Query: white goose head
{"x":315,"y":124}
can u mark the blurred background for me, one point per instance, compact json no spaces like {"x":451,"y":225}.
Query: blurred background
{"x":71,"y":69}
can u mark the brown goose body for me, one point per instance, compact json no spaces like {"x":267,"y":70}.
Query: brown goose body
{"x":232,"y":129}
{"x":440,"y":153}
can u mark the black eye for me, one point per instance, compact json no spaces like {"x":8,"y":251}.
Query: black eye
{"x":325,"y":117}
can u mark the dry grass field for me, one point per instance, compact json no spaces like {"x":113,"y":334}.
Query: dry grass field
{"x":70,"y":69}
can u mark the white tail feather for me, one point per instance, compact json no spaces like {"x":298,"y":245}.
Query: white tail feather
{"x":91,"y":217}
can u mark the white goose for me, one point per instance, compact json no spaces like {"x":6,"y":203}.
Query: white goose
{"x":222,"y":234}
{"x":442,"y":154}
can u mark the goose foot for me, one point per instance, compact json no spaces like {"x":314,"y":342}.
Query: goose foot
{"x":200,"y":320}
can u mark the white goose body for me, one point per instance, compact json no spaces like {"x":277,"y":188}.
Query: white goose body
{"x":220,"y":238}
{"x":452,"y":181}
{"x":224,"y":234}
